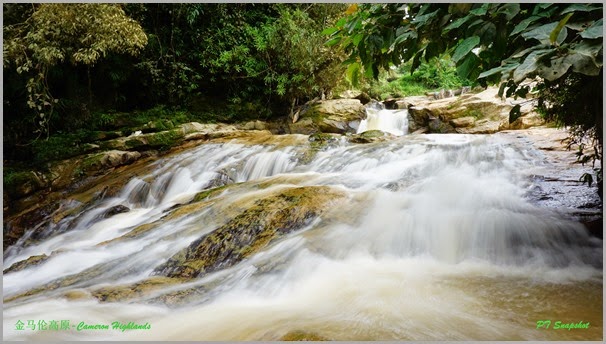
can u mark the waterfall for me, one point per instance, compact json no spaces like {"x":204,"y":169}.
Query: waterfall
{"x":440,"y":237}
{"x":392,"y":121}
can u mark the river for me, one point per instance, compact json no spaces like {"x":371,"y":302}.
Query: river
{"x":443,"y":237}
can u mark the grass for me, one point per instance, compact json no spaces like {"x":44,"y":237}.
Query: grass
{"x":431,"y":76}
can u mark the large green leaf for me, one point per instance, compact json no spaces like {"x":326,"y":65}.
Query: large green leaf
{"x":468,"y":66}
{"x":589,"y":47}
{"x":480,"y":11}
{"x":465,"y":47}
{"x":457,"y":23}
{"x":524,"y":24}
{"x":353,"y":73}
{"x":584,"y":64}
{"x":487,"y":33}
{"x":556,"y":69}
{"x":594,"y":31}
{"x":543,"y":32}
{"x":330,"y":30}
{"x":501,"y":69}
{"x":581,"y":8}
{"x":528,"y":50}
{"x":555,"y":34}
{"x":510,"y":10}
{"x":423,"y":19}
{"x":529,"y":66}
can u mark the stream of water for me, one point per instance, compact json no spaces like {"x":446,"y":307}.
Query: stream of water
{"x":442,"y":239}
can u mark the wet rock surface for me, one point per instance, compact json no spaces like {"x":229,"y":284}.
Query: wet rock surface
{"x":251,"y":231}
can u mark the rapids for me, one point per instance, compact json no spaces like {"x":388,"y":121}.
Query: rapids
{"x":444,"y":237}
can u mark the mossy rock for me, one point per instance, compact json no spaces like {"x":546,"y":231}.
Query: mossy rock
{"x":22,"y":183}
{"x":133,"y":291}
{"x":294,"y":336}
{"x":371,"y":136}
{"x":23,"y":264}
{"x":251,"y":231}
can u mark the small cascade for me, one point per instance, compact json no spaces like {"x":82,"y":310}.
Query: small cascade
{"x":440,"y":226}
{"x":391,"y":121}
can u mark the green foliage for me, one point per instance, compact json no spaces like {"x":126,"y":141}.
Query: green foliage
{"x":492,"y":42}
{"x":61,"y":146}
{"x":513,"y":40}
{"x":56,"y":33}
{"x":438,"y":73}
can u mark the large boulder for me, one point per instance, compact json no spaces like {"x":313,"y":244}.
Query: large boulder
{"x":337,"y":116}
{"x":255,"y":228}
{"x":480,"y":113}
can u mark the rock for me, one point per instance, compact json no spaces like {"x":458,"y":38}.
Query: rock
{"x":437,"y":126}
{"x":31,"y":261}
{"x":255,"y":125}
{"x":463,"y":122}
{"x":371,"y":136}
{"x":109,"y":159}
{"x":302,"y":336}
{"x":401,"y":104}
{"x":251,"y":231}
{"x":531,"y":119}
{"x":349,"y":94}
{"x":480,"y":113}
{"x":420,"y":131}
{"x":24,"y":183}
{"x":118,"y":209}
{"x":329,"y":116}
{"x":363,"y":98}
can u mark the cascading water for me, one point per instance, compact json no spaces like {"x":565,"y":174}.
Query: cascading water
{"x":440,"y":238}
{"x":391,"y":121}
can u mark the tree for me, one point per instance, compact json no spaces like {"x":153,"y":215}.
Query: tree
{"x":58,"y":33}
{"x":558,"y":44}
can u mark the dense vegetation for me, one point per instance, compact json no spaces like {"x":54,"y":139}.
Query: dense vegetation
{"x":553,"y":50}
{"x":71,"y":70}
{"x":216,"y":62}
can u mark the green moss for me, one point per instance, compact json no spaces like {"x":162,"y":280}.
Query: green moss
{"x":251,"y":231}
{"x":206,"y":194}
{"x":473,"y":113}
{"x":302,"y":336}
{"x":92,"y":162}
{"x":164,"y":140}
{"x":17,"y":182}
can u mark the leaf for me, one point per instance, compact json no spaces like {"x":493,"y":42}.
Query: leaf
{"x":542,"y":33}
{"x":582,"y":63}
{"x":528,"y":50}
{"x":330,"y":30}
{"x":529,"y":65}
{"x":357,"y":38}
{"x":502,"y":89}
{"x":586,"y":178}
{"x":468,"y":66}
{"x":457,"y":23}
{"x":510,"y":10}
{"x":353,"y":72}
{"x":523,"y":25}
{"x":557,"y":68}
{"x":416,"y":62}
{"x":506,"y":68}
{"x":514,"y":113}
{"x":594,"y":31}
{"x":465,"y":47}
{"x":580,"y":8}
{"x":479,"y":11}
{"x":333,"y":41}
{"x":554,"y":35}
{"x":423,"y":19}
